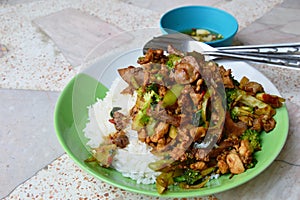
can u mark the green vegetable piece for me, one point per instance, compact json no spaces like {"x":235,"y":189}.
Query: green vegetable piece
{"x":179,"y":179}
{"x":189,"y":177}
{"x":252,"y":164}
{"x":241,"y":111}
{"x":172,"y":95}
{"x":253,"y":137}
{"x":90,"y":159}
{"x":140,"y":120}
{"x":237,"y":95}
{"x":160,"y":187}
{"x":115,"y":109}
{"x":163,"y":181}
{"x":172,"y":60}
{"x":232,"y":96}
{"x":150,"y":126}
{"x":197,"y":186}
{"x":152,"y":87}
{"x":204,"y":112}
{"x":207,"y":171}
{"x":144,"y":101}
{"x":160,"y":164}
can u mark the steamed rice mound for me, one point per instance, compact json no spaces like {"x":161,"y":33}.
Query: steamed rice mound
{"x":133,"y":160}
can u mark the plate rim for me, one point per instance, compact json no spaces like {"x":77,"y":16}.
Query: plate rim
{"x":205,"y":192}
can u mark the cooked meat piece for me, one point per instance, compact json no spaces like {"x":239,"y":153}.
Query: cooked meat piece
{"x":257,"y":124}
{"x":151,"y":67}
{"x":148,"y":140}
{"x":272,"y":100}
{"x":200,"y":165}
{"x":134,"y":76}
{"x":226,"y":77}
{"x":121,"y":120}
{"x":184,"y":73}
{"x":223,"y":167}
{"x":172,"y":50}
{"x":104,"y":154}
{"x":177,"y":154}
{"x":185,"y":104}
{"x":250,"y":86}
{"x":187,"y":71}
{"x":245,"y":151}
{"x":201,"y":151}
{"x":199,"y":84}
{"x":253,"y":87}
{"x":128,"y":90}
{"x":161,"y":143}
{"x":153,"y":55}
{"x":245,"y":148}
{"x":234,"y":163}
{"x":161,"y":114}
{"x":198,"y":132}
{"x":201,"y":154}
{"x":224,"y":145}
{"x":157,"y":73}
{"x":119,"y":139}
{"x":160,"y":130}
{"x":183,"y":137}
{"x":142,"y":135}
{"x":164,"y":70}
{"x":247,"y":120}
{"x":269,"y":125}
{"x":196,"y":97}
{"x":233,"y":129}
{"x":244,"y":81}
{"x":181,"y":144}
{"x":146,"y":78}
{"x":163,"y":76}
{"x":162,"y":90}
{"x":193,"y":61}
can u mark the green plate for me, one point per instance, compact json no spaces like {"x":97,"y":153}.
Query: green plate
{"x":71,"y":116}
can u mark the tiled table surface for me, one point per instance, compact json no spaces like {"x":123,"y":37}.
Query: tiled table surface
{"x":42,"y":46}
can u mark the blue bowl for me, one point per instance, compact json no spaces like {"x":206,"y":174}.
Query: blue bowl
{"x":185,"y":18}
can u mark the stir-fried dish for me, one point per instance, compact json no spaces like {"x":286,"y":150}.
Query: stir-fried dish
{"x":197,"y":118}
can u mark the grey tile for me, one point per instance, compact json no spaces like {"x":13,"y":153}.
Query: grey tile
{"x":280,"y":16}
{"x":75,"y":33}
{"x":27,"y":137}
{"x":280,"y":25}
{"x":291,"y":4}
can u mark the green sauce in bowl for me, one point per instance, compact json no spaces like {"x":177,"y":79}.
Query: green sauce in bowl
{"x":203,"y":35}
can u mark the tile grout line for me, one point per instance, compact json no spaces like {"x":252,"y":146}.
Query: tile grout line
{"x":287,"y":162}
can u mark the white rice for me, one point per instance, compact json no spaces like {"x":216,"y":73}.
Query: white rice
{"x":133,"y":160}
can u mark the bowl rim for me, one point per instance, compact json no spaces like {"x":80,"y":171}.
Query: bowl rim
{"x":234,"y":20}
